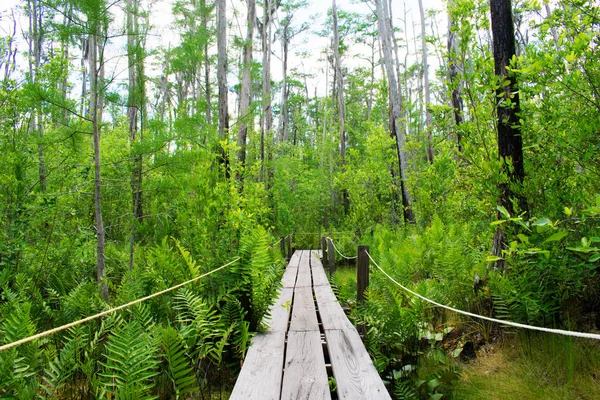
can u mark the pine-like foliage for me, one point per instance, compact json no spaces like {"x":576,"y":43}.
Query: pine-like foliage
{"x":130,"y":363}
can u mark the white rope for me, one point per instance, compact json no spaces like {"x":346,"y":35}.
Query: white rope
{"x":336,"y":249}
{"x":111,"y":310}
{"x":510,"y":323}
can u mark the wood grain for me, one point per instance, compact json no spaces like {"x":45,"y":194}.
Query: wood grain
{"x":318,"y":272}
{"x":304,"y":314}
{"x":278,"y":317}
{"x":304,"y":276}
{"x":305,"y":376}
{"x":355,"y":375}
{"x":261,"y":373}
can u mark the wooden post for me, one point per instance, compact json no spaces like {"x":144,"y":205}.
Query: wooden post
{"x":324,"y":250}
{"x":289,"y":247}
{"x":331,"y":255}
{"x":362,"y":273}
{"x":282,"y":246}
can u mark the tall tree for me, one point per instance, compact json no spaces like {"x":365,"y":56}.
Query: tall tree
{"x":222,"y":77}
{"x":395,"y":105}
{"x":35,"y":56}
{"x":96,"y":61}
{"x":246,"y":84}
{"x":135,"y":113}
{"x":426,"y":83}
{"x":510,"y":141}
{"x":453,"y":71}
{"x":339,"y":82}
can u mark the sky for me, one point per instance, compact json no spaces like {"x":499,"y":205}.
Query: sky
{"x":163,"y":34}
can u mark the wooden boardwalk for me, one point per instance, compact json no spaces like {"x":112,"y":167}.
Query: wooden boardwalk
{"x":309,"y":340}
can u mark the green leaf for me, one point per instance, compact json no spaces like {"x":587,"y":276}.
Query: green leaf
{"x":493,"y":258}
{"x":541,"y":222}
{"x":499,"y":222}
{"x":595,"y":257}
{"x":436,"y":396}
{"x":503,"y":211}
{"x":556,"y":237}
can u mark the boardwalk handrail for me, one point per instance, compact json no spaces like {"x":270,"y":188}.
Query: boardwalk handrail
{"x":111,"y":310}
{"x":499,"y":321}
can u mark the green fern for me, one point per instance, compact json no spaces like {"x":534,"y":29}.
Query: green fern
{"x":403,"y":391}
{"x":130,"y":363}
{"x":179,"y":369}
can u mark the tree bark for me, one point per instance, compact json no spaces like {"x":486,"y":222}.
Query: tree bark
{"x":96,"y":116}
{"x":266,"y":118}
{"x":246,"y":85}
{"x":339,"y":84}
{"x":207,"y":93}
{"x":222,"y":79}
{"x":395,"y":106}
{"x":510,"y":142}
{"x":428,"y":127}
{"x":453,"y":71}
{"x":284,"y":121}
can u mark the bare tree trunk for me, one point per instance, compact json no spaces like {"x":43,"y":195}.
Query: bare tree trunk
{"x":207,"y":92}
{"x":266,"y":116}
{"x":96,"y":115}
{"x":222,"y":78}
{"x":510,"y":141}
{"x":395,"y":106}
{"x":246,"y":85}
{"x":35,"y":51}
{"x":453,"y":70}
{"x":426,"y":84}
{"x":285,"y":118}
{"x":339,"y":84}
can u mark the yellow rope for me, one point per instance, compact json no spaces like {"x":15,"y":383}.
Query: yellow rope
{"x":112,"y":310}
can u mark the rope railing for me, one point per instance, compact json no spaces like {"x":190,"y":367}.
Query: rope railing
{"x":112,"y":310}
{"x":499,"y":321}
{"x":340,"y":253}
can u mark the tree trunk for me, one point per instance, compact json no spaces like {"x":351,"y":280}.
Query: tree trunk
{"x":339,"y":84}
{"x":207,"y":94}
{"x":266,"y":117}
{"x":426,"y":84}
{"x":510,"y":141}
{"x":96,"y":116}
{"x":246,"y":85}
{"x":222,"y":78}
{"x":395,"y":106}
{"x":453,"y":70}
{"x":285,"y":119}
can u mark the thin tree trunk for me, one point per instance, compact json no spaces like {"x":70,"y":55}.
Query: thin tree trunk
{"x":453,"y":71}
{"x":339,"y":84}
{"x":96,"y":116}
{"x":395,"y":106}
{"x":285,"y":119}
{"x":426,"y":84}
{"x":207,"y":92}
{"x":222,"y":78}
{"x":246,"y":85}
{"x":266,"y":117}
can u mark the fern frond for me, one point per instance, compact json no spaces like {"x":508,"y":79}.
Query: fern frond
{"x":179,"y":369}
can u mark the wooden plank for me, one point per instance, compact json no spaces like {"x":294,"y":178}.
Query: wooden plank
{"x":319,"y":277}
{"x":295,"y":259}
{"x":333,"y":317}
{"x":261,"y":375}
{"x":355,"y":375}
{"x":289,"y":277}
{"x":305,"y":376}
{"x":324,"y":294}
{"x":304,"y":314}
{"x":304,"y":277}
{"x":280,"y":311}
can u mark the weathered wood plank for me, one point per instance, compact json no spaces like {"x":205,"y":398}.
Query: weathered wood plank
{"x":280,"y":311}
{"x":289,"y":277}
{"x":295,"y":260}
{"x":304,"y":314}
{"x":355,"y":375}
{"x":261,"y":375}
{"x":324,"y":294}
{"x":318,"y":272}
{"x":304,"y":278}
{"x":305,"y":376}
{"x":333,"y":316}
